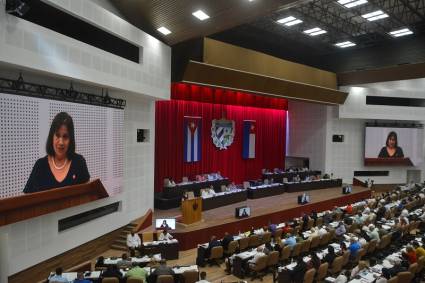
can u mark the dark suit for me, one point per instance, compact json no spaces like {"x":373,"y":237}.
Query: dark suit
{"x":226,"y":241}
{"x":161,"y":270}
{"x":297,"y":274}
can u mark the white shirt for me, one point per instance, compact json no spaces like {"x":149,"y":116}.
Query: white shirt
{"x":133,"y":241}
{"x":341,"y":279}
{"x":165,"y":237}
{"x":256,"y":257}
{"x":322,"y":231}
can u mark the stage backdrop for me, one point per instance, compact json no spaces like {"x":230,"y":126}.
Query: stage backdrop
{"x":169,"y":160}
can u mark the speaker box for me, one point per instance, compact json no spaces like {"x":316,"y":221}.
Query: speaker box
{"x":338,"y":138}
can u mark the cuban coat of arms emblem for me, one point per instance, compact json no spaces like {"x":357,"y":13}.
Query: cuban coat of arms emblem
{"x":222,"y":132}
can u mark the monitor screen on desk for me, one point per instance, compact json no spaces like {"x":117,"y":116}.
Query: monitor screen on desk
{"x":161,"y":223}
{"x":242,"y":212}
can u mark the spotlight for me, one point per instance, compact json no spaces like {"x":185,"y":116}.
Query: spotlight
{"x":17,"y":7}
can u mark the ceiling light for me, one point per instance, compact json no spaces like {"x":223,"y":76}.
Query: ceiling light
{"x":345,"y":44}
{"x":314,"y":31}
{"x":373,"y":16}
{"x":289,"y":21}
{"x":400,"y":32}
{"x":164,"y":30}
{"x":351,"y":3}
{"x":201,"y":15}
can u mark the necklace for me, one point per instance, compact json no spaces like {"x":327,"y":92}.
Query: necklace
{"x":58,"y":167}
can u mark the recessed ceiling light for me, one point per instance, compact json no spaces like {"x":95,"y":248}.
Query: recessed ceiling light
{"x":314,"y":31}
{"x":164,"y":30}
{"x":201,"y":15}
{"x":345,"y":44}
{"x":289,"y":21}
{"x":351,"y":3}
{"x":373,"y":16}
{"x":400,"y":32}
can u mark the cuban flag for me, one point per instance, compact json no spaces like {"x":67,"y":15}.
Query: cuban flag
{"x":192,"y":139}
{"x":249,"y":130}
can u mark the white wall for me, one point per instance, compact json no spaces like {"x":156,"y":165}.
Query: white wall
{"x":49,"y":58}
{"x":311,"y":128}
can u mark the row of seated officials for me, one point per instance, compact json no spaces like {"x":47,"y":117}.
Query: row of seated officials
{"x":169,"y":181}
{"x":368,"y":232}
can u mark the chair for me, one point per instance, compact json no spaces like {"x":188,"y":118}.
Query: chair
{"x":404,"y":277}
{"x":346,"y":258}
{"x":254,"y":241}
{"x":134,"y":280}
{"x":360,"y":253}
{"x":231,"y":248}
{"x":309,"y":276}
{"x":319,"y":221}
{"x":421,"y":263}
{"x":310,"y":223}
{"x":336,"y":265}
{"x":258,"y":267}
{"x":243,"y":243}
{"x":266,"y":181}
{"x":185,"y":179}
{"x":413,"y":268}
{"x":147,"y":237}
{"x":315,"y":241}
{"x":216,"y":255}
{"x":166,"y":182}
{"x":223,"y":188}
{"x":190,"y":276}
{"x":324,"y":240}
{"x":322,"y":272}
{"x":296,"y":250}
{"x":393,"y":280}
{"x":111,"y":280}
{"x":267,"y":237}
{"x":305,"y":247}
{"x":285,"y":254}
{"x":278,"y":233}
{"x":273,"y":260}
{"x":372,"y":246}
{"x":163,"y":279}
{"x":246,"y":185}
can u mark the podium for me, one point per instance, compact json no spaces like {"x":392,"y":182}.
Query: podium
{"x":192,"y":210}
{"x":26,"y":206}
{"x":388,"y":161}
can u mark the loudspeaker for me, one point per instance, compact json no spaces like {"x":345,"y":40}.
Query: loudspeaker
{"x":338,"y":138}
{"x":140,"y":135}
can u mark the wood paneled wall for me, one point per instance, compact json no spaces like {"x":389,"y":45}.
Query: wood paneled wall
{"x":234,"y":57}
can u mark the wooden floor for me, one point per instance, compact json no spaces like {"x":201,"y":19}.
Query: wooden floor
{"x":262,"y":206}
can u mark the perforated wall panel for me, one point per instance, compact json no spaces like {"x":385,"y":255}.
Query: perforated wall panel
{"x":25,"y":123}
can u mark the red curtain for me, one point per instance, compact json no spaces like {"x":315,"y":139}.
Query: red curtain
{"x":191,"y":92}
{"x":270,"y":141}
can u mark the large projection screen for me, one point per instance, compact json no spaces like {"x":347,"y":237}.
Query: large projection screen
{"x":25,"y":123}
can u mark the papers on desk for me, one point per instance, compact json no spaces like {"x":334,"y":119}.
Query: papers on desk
{"x":154,"y":243}
{"x":71,"y":276}
{"x":246,"y":255}
{"x":330,"y":279}
{"x":181,"y":269}
{"x":265,"y":186}
{"x":145,"y":259}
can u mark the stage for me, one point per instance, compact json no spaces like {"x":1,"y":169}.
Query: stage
{"x":275,"y":209}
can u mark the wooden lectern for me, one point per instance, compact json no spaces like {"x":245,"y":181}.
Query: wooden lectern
{"x":192,"y":210}
{"x":26,"y":206}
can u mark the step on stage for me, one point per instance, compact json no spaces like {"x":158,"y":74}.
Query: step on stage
{"x":276,"y":209}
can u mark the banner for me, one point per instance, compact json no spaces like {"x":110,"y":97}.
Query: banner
{"x":248,"y":149}
{"x":192,"y":139}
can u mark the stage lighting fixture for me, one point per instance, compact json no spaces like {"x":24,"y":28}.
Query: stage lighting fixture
{"x":17,"y":7}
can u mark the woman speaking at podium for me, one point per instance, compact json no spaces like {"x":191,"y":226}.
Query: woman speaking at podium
{"x":61,"y":166}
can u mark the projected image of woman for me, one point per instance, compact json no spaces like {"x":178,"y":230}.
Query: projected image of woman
{"x":61,"y":166}
{"x":391,"y":149}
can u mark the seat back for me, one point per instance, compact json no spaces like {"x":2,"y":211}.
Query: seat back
{"x":337,"y":265}
{"x":243,"y":243}
{"x":346,"y":258}
{"x":267,"y":237}
{"x":319,"y":221}
{"x":216,"y":252}
{"x":315,"y":241}
{"x":278,"y":233}
{"x":166,"y":182}
{"x":404,"y":277}
{"x":309,"y":275}
{"x":413,"y":268}
{"x":163,"y":279}
{"x":110,"y":280}
{"x":310,"y":223}
{"x":393,"y":280}
{"x":246,"y":185}
{"x":359,"y":255}
{"x":223,"y":188}
{"x":324,"y":240}
{"x":261,"y":263}
{"x":190,"y":276}
{"x":232,"y":247}
{"x":305,"y":246}
{"x":372,"y":246}
{"x":266,"y":181}
{"x":421,"y":263}
{"x":134,"y":280}
{"x":273,"y":258}
{"x":322,"y":271}
{"x":254,"y":241}
{"x":147,"y":237}
{"x":286,"y":253}
{"x":296,"y":250}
